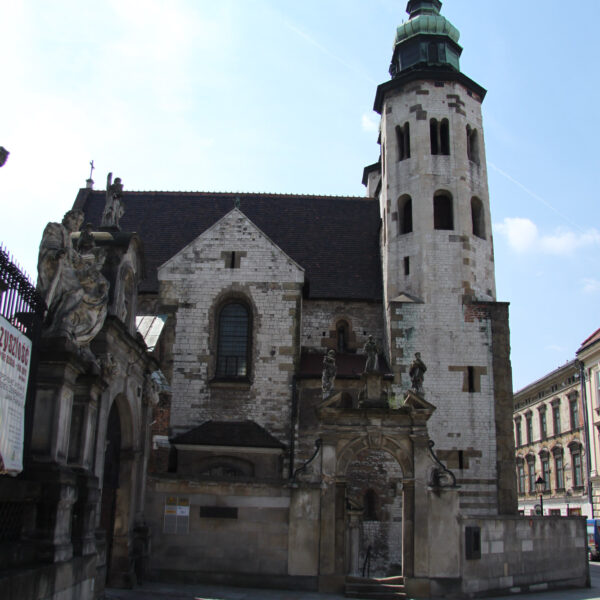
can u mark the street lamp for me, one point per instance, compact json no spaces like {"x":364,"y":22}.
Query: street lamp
{"x":540,"y":486}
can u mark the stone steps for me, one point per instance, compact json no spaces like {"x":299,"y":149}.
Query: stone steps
{"x":384,"y":588}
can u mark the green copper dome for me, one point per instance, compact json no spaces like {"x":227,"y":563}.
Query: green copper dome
{"x":426,"y":40}
{"x":427,"y":24}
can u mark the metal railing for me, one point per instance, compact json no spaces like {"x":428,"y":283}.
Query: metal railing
{"x":20,"y":303}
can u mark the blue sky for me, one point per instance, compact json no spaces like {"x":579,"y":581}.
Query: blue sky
{"x":277,"y":96}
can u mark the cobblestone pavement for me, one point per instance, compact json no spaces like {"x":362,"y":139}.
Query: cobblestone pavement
{"x":160,"y":591}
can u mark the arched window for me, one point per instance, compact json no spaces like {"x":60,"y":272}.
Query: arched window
{"x":403,"y":140}
{"x":445,"y":137}
{"x":478,"y":218}
{"x":472,"y":144}
{"x":439,"y":132}
{"x":342,"y":331}
{"x":443,"y":216}
{"x":233,"y":350}
{"x":405,"y":224}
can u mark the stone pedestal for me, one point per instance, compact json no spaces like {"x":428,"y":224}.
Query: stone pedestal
{"x":84,"y":515}
{"x":55,"y":509}
{"x":373,"y":394}
{"x":59,"y":368}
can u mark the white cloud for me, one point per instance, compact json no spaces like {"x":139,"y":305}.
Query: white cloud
{"x":590,"y":285}
{"x":369,"y":123}
{"x":523,"y":235}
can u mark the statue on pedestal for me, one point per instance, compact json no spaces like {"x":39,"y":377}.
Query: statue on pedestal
{"x":371,"y":351}
{"x":113,"y":208}
{"x":417,"y":373}
{"x":71,"y":282}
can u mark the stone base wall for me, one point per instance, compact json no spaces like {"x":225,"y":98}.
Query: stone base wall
{"x":520,"y":554}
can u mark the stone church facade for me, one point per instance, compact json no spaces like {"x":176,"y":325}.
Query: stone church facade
{"x":340,"y":400}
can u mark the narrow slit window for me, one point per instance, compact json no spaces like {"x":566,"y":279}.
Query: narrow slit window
{"x":478,"y":218}
{"x":406,"y":265}
{"x":405,"y":220}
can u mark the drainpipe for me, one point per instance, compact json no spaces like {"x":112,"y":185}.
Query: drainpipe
{"x":586,"y":427}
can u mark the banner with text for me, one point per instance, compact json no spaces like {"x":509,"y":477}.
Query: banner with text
{"x":15,"y":354}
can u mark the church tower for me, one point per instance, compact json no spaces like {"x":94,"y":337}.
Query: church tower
{"x":437,"y":254}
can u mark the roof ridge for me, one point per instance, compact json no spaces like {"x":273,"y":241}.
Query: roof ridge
{"x":246,"y":194}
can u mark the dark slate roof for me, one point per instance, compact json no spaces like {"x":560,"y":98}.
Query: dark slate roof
{"x":335,"y":239}
{"x":247,"y":434}
{"x":347,"y":365}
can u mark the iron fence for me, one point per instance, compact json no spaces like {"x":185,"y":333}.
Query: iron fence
{"x":20,"y":303}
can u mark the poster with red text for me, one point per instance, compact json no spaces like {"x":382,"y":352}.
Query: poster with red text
{"x":15,"y":354}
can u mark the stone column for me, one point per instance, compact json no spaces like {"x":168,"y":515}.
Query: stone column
{"x":353,"y":542}
{"x":55,"y":508}
{"x":421,"y":504}
{"x":327,"y":549}
{"x":408,"y":528}
{"x":84,"y":514}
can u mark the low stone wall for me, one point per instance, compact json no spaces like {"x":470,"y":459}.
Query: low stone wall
{"x":519,"y":554}
{"x":242,"y":533}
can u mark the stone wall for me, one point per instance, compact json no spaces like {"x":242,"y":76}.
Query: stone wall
{"x":516,"y":555}
{"x":319,"y":319}
{"x":194,"y":284}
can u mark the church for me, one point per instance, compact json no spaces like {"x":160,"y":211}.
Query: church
{"x":339,"y":405}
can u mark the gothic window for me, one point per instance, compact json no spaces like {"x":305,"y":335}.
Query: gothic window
{"x":518,"y":434}
{"x":443,"y":217}
{"x":405,"y":222}
{"x":234,"y":335}
{"x":478,"y":218}
{"x":439,"y":132}
{"x":403,"y":140}
{"x":472,"y":145}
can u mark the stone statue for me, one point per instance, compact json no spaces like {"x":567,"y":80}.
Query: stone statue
{"x":113,"y":208}
{"x":417,"y":373}
{"x":371,"y":352}
{"x":75,"y":291}
{"x":329,"y":372}
{"x":86,"y":242}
